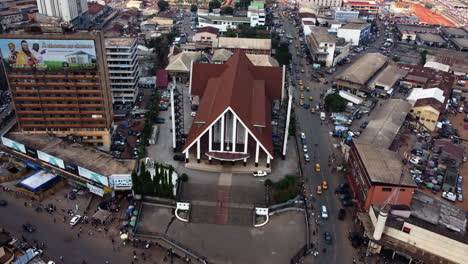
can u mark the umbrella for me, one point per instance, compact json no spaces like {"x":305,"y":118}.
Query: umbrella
{"x":135,"y":212}
{"x":132,"y":223}
{"x":131,"y":207}
{"x":429,"y":185}
{"x":124,"y":236}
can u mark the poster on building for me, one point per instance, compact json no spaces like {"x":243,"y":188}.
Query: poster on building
{"x":121,"y":181}
{"x":50,"y":159}
{"x":96,"y":177}
{"x":95,"y":189}
{"x":31,"y":152}
{"x":14,"y":145}
{"x":48,"y":54}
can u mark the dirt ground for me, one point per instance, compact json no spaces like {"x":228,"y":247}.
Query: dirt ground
{"x":427,"y":16}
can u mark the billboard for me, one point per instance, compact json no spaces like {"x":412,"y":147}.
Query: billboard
{"x":71,"y":168}
{"x":31,"y":152}
{"x":96,"y":177}
{"x":95,"y":189}
{"x":48,"y":54}
{"x":14,"y":145}
{"x":50,"y":159}
{"x":121,"y":181}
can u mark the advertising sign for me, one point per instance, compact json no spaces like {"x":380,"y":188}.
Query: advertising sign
{"x":31,"y":152}
{"x":71,"y":168}
{"x":96,"y":177}
{"x":121,"y":181}
{"x":48,"y":54}
{"x":50,"y":159}
{"x":95,"y":189}
{"x":14,"y":145}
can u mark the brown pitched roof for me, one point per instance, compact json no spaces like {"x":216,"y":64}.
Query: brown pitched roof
{"x":212,"y":30}
{"x":432,"y":102}
{"x":247,"y":89}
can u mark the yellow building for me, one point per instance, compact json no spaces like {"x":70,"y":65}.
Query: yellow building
{"x":427,"y":112}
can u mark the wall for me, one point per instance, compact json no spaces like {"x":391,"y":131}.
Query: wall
{"x":427,"y":116}
{"x":377,"y":195}
{"x":350,"y":35}
{"x":198,"y":37}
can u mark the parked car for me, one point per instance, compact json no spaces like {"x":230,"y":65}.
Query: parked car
{"x":259,"y":173}
{"x":179,"y":157}
{"x":415,"y":160}
{"x":75,"y":220}
{"x":304,"y":148}
{"x":306,"y":157}
{"x":3,"y":203}
{"x":159,"y":120}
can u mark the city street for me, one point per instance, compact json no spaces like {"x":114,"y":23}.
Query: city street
{"x":319,"y":149}
{"x":61,"y":240}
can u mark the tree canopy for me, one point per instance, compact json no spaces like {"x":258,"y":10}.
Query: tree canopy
{"x":227,"y":10}
{"x":335,"y":103}
{"x":163,"y":5}
{"x":283,"y":56}
{"x":193,"y":8}
{"x":214,"y":4}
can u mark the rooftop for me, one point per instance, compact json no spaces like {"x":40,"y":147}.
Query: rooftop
{"x":119,"y":42}
{"x":421,"y":93}
{"x":74,"y":153}
{"x":415,"y":29}
{"x":429,"y":78}
{"x":359,"y":26}
{"x":461,"y":43}
{"x":381,"y":130}
{"x":384,"y":166}
{"x":430,"y":37}
{"x":181,"y":62}
{"x":363,"y":69}
{"x":242,"y":43}
{"x":430,"y":102}
{"x":227,"y":18}
{"x":238,"y":84}
{"x":454,"y":151}
{"x":321,"y":34}
{"x":212,"y":30}
{"x":94,"y":8}
{"x":389,"y":76}
{"x":454,"y":31}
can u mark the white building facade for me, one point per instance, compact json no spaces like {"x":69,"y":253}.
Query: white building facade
{"x":257,"y":16}
{"x":354,"y":33}
{"x":223,"y":23}
{"x":68,"y":10}
{"x":122,"y":61}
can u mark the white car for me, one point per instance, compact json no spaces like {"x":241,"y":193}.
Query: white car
{"x":259,"y":173}
{"x":37,"y":252}
{"x":75,"y":220}
{"x":193,"y":114}
{"x":304,"y":148}
{"x":306,"y":157}
{"x":415,"y":160}
{"x":303,"y":135}
{"x":415,"y":172}
{"x":324,"y":212}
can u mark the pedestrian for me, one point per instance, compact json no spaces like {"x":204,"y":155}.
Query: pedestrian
{"x":55,"y":220}
{"x":25,"y":204}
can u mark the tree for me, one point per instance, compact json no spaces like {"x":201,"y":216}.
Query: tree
{"x":230,"y":33}
{"x":283,"y":56}
{"x":335,"y":103}
{"x":396,"y":58}
{"x":423,"y":57}
{"x":213,"y":5}
{"x":163,"y":5}
{"x":227,"y":10}
{"x":193,"y":8}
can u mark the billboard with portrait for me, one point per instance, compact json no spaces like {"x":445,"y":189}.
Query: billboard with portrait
{"x":48,"y":54}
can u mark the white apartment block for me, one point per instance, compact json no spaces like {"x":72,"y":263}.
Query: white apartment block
{"x":257,"y":16}
{"x":68,"y":10}
{"x":328,"y":3}
{"x":222,"y":22}
{"x":122,"y":61}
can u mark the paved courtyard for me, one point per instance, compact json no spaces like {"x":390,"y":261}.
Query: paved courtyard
{"x":277,"y":242}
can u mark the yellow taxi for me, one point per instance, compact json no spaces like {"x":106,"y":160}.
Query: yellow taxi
{"x":301,"y":88}
{"x":319,"y":189}
{"x":302,"y":70}
{"x":308,"y":88}
{"x":312,"y":110}
{"x":311,"y":98}
{"x":302,"y":96}
{"x":187,"y":84}
{"x":317,"y":167}
{"x":300,"y":82}
{"x":325,"y":185}
{"x":301,"y":102}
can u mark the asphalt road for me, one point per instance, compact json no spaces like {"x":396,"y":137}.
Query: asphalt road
{"x":319,"y":149}
{"x":61,"y":240}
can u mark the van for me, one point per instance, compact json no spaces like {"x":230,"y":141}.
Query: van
{"x":324,"y":212}
{"x":322,"y":116}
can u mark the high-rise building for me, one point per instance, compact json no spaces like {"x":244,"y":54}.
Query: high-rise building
{"x":122,"y":60}
{"x":328,"y":3}
{"x":59,"y":84}
{"x":68,"y":10}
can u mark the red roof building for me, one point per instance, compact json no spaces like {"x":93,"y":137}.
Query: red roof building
{"x":211,"y":30}
{"x":233,"y":122}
